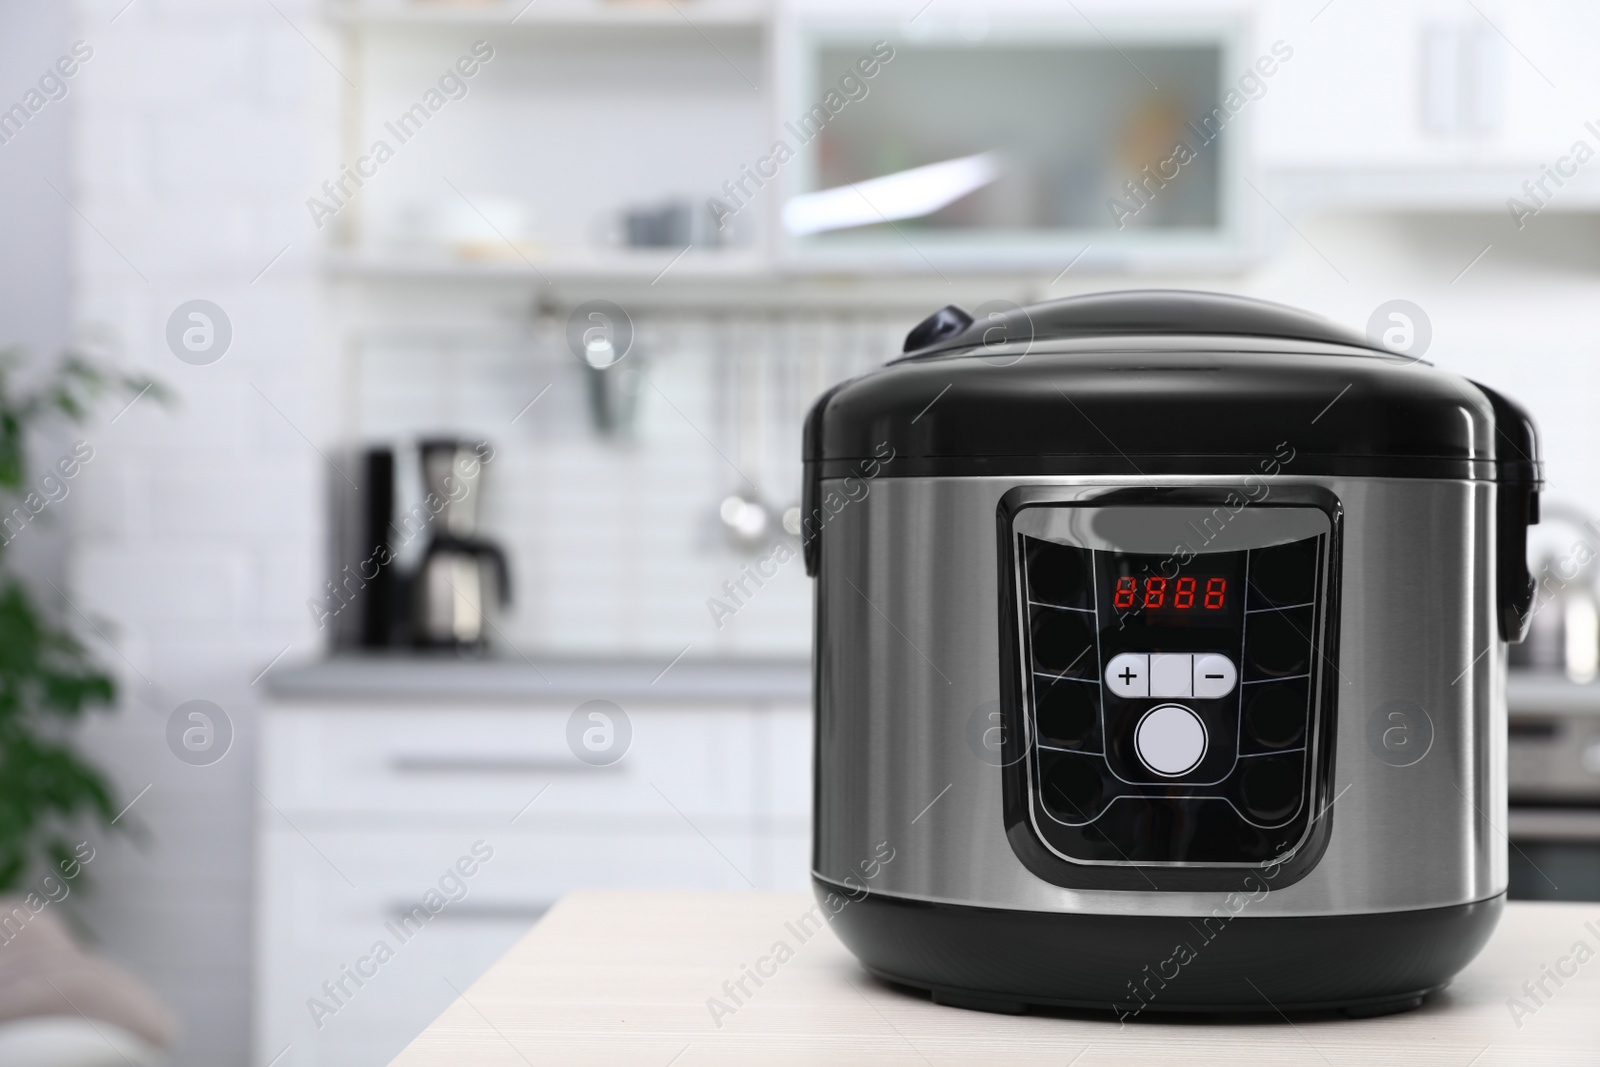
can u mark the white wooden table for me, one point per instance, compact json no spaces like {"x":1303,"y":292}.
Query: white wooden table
{"x":624,"y":978}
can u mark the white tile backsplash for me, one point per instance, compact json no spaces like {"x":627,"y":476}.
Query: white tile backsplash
{"x":615,"y":542}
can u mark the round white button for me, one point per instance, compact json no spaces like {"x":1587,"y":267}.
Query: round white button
{"x":1170,"y":739}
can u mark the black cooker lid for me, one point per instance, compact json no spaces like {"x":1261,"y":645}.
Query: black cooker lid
{"x":1141,"y":312}
{"x":1163,"y":382}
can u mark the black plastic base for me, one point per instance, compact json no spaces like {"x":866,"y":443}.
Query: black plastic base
{"x":993,"y":959}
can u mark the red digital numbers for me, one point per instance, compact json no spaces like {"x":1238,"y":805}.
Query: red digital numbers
{"x":1184,"y":592}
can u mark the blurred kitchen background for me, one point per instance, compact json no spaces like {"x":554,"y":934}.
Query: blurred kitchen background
{"x":581,"y":291}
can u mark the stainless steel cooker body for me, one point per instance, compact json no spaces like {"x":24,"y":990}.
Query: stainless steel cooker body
{"x":909,"y":684}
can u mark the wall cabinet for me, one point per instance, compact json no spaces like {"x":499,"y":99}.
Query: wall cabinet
{"x":1045,"y":114}
{"x":1426,"y":107}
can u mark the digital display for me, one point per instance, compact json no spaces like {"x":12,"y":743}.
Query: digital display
{"x":1185,"y":592}
{"x":1138,"y":591}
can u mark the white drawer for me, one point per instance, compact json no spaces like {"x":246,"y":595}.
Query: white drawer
{"x":709,"y":765}
{"x":328,"y":898}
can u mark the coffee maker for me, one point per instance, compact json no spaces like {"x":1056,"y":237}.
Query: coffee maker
{"x":463,"y":580}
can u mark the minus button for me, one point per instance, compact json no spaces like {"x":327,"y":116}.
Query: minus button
{"x":1214,"y":676}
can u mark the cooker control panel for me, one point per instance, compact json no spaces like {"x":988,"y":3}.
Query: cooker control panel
{"x":1172,"y":697}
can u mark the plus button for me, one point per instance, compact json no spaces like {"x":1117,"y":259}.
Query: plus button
{"x":1128,"y":675}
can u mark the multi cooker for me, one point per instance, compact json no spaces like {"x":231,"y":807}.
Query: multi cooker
{"x":1160,"y":658}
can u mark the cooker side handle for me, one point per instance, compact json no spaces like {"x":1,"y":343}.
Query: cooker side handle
{"x":1519,"y":474}
{"x":811,"y":515}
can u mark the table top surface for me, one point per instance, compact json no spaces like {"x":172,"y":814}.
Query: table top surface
{"x":615,"y":977}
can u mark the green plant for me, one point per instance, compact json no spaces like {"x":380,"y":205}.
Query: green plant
{"x":48,"y":680}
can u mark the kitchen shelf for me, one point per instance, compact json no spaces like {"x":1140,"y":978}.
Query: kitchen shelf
{"x":751,"y":283}
{"x":648,"y":266}
{"x":740,"y":268}
{"x":906,"y":298}
{"x":688,"y":15}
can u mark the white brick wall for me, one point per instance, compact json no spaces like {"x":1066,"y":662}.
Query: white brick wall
{"x":196,"y":136}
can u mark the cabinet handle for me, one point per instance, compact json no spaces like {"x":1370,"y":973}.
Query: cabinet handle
{"x":469,"y":911}
{"x":533,"y":765}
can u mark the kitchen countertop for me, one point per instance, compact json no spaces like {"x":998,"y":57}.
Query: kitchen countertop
{"x":515,"y":678}
{"x":624,"y":978}
{"x":1550,"y":693}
